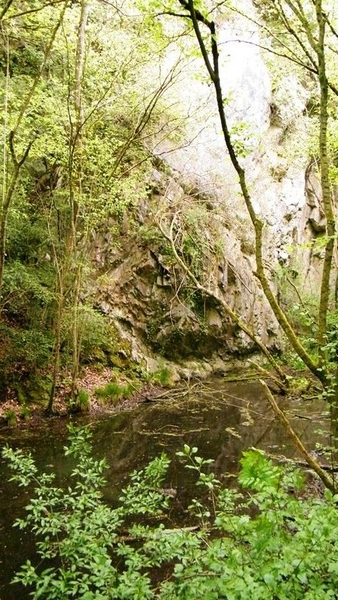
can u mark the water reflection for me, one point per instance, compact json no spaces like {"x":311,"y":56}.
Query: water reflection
{"x":222,"y":420}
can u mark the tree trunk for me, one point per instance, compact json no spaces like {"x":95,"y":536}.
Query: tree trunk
{"x":213,"y":70}
{"x":325,"y":184}
{"x":76,"y":176}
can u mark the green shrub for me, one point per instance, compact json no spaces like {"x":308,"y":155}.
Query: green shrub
{"x":23,"y":350}
{"x":269,"y":542}
{"x":98,"y":337}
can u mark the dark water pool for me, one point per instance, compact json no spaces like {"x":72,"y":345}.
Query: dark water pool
{"x":221,"y":419}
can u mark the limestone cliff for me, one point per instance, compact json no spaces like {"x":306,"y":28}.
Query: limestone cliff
{"x":143,"y":292}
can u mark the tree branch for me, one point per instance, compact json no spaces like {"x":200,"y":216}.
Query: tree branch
{"x":5,"y":8}
{"x":27,"y":12}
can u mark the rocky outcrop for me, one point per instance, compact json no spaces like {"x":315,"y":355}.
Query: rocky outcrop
{"x":152,"y":303}
{"x":143,"y":291}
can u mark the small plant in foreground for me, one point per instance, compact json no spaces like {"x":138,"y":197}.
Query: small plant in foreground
{"x":267,"y":544}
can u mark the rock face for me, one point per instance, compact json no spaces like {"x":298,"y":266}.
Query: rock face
{"x":144,"y":292}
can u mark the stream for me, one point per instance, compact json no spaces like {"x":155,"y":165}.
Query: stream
{"x":221,"y":419}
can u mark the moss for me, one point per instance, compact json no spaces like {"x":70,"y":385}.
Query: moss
{"x":119,"y":361}
{"x":299,"y":385}
{"x":34,"y":390}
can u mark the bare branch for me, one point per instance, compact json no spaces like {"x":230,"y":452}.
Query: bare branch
{"x":28,"y":12}
{"x":5,"y":8}
{"x":332,"y":29}
{"x":12,"y":149}
{"x":326,"y":479}
{"x":290,"y":54}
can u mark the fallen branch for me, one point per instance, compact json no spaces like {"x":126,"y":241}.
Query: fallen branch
{"x":299,"y":463}
{"x":171,"y":394}
{"x":266,"y":373}
{"x":311,"y":462}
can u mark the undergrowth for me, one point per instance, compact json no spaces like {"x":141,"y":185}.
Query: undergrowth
{"x":265,"y":540}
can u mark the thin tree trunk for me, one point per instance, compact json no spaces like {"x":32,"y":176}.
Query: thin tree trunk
{"x":7,"y":195}
{"x":76,"y":177}
{"x":325,"y":183}
{"x":60,"y":301}
{"x":213,"y":70}
{"x":57,"y":345}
